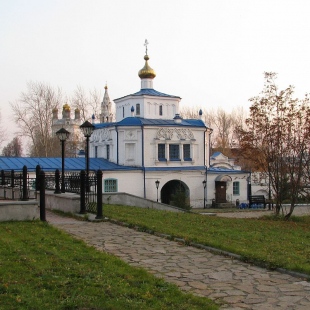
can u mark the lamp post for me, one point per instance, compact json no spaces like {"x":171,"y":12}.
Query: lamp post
{"x":63,"y":135}
{"x":157,"y":185}
{"x":204,"y":183}
{"x":87,"y":129}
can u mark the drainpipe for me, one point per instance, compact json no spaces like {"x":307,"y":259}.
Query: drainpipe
{"x":117,"y":157}
{"x":144,"y":187}
{"x":208,"y":163}
{"x":205,"y":194}
{"x":210,"y":133}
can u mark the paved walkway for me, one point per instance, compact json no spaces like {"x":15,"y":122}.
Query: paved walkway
{"x":238,"y":284}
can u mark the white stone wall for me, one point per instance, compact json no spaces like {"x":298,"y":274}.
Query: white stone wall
{"x":127,"y":181}
{"x":149,"y":107}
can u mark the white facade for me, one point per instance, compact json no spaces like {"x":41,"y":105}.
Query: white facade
{"x":150,"y":142}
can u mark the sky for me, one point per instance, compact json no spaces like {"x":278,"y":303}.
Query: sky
{"x":212,"y":54}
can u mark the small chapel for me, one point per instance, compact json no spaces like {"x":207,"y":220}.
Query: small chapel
{"x":154,"y":152}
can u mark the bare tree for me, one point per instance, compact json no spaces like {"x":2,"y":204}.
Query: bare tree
{"x":277,"y":139}
{"x":223,"y":124}
{"x":2,"y":131}
{"x":13,"y":148}
{"x":33,"y":114}
{"x":87,"y":104}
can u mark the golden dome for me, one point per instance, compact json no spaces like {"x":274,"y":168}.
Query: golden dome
{"x":146,"y":72}
{"x":55,"y":110}
{"x":77,"y":110}
{"x":66,"y":107}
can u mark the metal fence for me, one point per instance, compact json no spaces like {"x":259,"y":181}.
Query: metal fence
{"x":89,"y":187}
{"x":17,"y":185}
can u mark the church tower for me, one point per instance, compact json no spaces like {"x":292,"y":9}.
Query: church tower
{"x":106,"y":105}
{"x":147,"y":103}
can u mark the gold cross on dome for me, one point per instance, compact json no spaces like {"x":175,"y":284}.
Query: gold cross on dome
{"x":146,"y":44}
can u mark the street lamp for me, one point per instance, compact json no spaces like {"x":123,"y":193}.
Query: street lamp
{"x":63,"y":135}
{"x":87,"y":129}
{"x":157,"y":185}
{"x":204,"y":183}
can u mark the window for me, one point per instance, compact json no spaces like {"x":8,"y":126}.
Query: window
{"x":161,"y":152}
{"x":174,"y":152}
{"x":236,"y":188}
{"x":160,"y":110}
{"x":110,"y":185}
{"x":123,"y":111}
{"x":108,"y":152}
{"x":138,"y":109}
{"x":187,"y":152}
{"x":96,"y":151}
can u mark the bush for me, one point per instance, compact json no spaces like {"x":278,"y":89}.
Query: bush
{"x":180,"y":200}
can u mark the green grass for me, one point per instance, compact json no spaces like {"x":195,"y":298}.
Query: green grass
{"x":272,"y":242}
{"x":44,"y":268}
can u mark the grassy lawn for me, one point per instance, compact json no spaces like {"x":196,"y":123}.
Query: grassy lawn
{"x":275,"y":243}
{"x":44,"y":268}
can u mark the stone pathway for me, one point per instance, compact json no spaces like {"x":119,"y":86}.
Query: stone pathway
{"x":239,"y":285}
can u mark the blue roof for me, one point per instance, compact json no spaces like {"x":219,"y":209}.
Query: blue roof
{"x":137,"y":121}
{"x":149,"y":92}
{"x":224,"y":170}
{"x":51,"y":164}
{"x":215,"y":154}
{"x":175,"y":168}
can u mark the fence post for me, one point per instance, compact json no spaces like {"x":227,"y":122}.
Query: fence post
{"x":38,"y":169}
{"x":82,"y":192}
{"x":42,"y":195}
{"x":57,"y":179}
{"x":2,"y":177}
{"x":12,"y":183}
{"x":99,"y":194}
{"x":25,"y":187}
{"x":12,"y":178}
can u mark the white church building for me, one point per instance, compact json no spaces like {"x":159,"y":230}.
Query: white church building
{"x":152,"y":152}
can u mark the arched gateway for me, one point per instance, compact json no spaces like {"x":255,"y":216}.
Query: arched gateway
{"x":172,"y":191}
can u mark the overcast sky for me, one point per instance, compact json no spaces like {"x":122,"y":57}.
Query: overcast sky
{"x":210,"y":53}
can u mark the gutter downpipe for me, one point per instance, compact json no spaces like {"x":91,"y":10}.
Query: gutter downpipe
{"x":210,"y":133}
{"x":117,"y":157}
{"x":144,"y":187}
{"x":205,"y":194}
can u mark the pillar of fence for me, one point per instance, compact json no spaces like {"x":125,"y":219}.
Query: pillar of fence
{"x":82,"y":192}
{"x":12,"y":183}
{"x":38,"y":169}
{"x":99,"y":195}
{"x":57,"y":182}
{"x":25,"y":185}
{"x":12,"y":178}
{"x":42,"y":195}
{"x":2,"y":177}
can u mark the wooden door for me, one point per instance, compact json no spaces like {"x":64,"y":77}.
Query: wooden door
{"x":220,"y":192}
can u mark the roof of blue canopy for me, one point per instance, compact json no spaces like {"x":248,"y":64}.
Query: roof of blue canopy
{"x":53,"y":163}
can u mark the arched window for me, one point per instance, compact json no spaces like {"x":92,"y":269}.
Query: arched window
{"x":138,"y":109}
{"x":161,"y":109}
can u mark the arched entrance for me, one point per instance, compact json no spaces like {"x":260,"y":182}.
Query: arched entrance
{"x":220,"y":188}
{"x":175,"y":192}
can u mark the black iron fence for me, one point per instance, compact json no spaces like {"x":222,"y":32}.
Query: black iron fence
{"x":89,"y":187}
{"x":17,"y":185}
